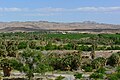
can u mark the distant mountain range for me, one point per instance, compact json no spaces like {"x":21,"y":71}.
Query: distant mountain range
{"x":45,"y":25}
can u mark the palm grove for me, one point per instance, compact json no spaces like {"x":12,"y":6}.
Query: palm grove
{"x":24,"y":52}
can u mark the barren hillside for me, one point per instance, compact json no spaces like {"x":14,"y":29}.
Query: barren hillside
{"x":43,"y":25}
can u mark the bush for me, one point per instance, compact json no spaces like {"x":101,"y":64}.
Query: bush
{"x":118,"y":75}
{"x":97,"y":76}
{"x":101,"y":70}
{"x":78,"y":75}
{"x":87,"y":68}
{"x":32,"y":45}
{"x":112,"y":77}
{"x":118,"y":69}
{"x":113,"y":60}
{"x":40,"y":48}
{"x":98,"y":62}
{"x":85,"y":48}
{"x":22,"y":45}
{"x":115,"y":76}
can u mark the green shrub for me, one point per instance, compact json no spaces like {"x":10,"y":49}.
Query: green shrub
{"x":87,"y":68}
{"x":32,"y":45}
{"x":113,"y":77}
{"x":118,"y":75}
{"x":101,"y":70}
{"x":113,"y":60}
{"x":22,"y":45}
{"x":97,"y":76}
{"x":118,"y":69}
{"x":78,"y":75}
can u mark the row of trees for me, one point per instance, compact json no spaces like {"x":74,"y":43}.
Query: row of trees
{"x":68,"y":46}
{"x":103,"y":39}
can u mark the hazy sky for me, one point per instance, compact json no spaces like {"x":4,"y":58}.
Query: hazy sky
{"x":105,"y":11}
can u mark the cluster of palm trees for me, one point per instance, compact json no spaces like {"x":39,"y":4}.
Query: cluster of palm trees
{"x":65,"y":62}
{"x":23,"y":56}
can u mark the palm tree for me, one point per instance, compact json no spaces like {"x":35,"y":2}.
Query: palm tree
{"x":72,"y":61}
{"x":3,"y":53}
{"x":93,"y":51}
{"x":33,"y":62}
{"x":114,"y":59}
{"x":54,"y":60}
{"x":98,"y":62}
{"x":5,"y":64}
{"x":94,"y":41}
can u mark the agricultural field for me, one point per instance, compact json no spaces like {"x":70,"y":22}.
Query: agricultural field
{"x":56,"y":56}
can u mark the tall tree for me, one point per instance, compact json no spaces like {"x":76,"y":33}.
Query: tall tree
{"x":5,"y":64}
{"x":114,"y":59}
{"x":98,"y":62}
{"x":33,"y":62}
{"x":93,"y":42}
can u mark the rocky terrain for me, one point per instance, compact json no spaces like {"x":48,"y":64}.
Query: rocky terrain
{"x":45,"y":25}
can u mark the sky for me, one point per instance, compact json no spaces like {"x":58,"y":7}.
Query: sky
{"x":102,"y":11}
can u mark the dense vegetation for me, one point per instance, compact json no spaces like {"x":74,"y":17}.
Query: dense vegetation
{"x":24,"y":51}
{"x":59,"y":41}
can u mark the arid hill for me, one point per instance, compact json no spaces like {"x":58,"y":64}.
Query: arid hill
{"x":45,"y":25}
